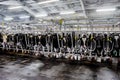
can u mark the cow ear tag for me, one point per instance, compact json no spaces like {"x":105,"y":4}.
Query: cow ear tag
{"x":91,"y":37}
{"x":75,"y":38}
{"x":108,"y":39}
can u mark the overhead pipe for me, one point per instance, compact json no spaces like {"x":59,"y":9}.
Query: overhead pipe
{"x":27,"y":9}
{"x":83,"y":8}
{"x":9,"y":3}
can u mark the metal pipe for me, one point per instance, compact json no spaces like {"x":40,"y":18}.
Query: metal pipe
{"x":83,"y":8}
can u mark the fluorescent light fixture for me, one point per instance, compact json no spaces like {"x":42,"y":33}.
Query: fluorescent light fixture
{"x":24,"y":17}
{"x":15,"y":7}
{"x":58,"y":17}
{"x":48,"y":1}
{"x":67,"y":12}
{"x":41,"y":15}
{"x":8,"y":18}
{"x":104,"y":10}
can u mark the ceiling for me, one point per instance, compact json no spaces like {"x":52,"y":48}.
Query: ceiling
{"x":44,"y":12}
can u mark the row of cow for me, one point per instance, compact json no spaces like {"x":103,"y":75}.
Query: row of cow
{"x":94,"y":44}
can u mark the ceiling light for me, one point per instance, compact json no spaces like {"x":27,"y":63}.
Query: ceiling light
{"x":40,"y":20}
{"x":41,"y":15}
{"x":58,"y":17}
{"x":15,"y":7}
{"x":67,"y":12}
{"x":104,"y":10}
{"x":24,"y":17}
{"x":8,"y":18}
{"x":48,"y":1}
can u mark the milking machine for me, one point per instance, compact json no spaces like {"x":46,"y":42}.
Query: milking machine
{"x":59,"y":51}
{"x":26,"y":42}
{"x":107,"y":45}
{"x":36,"y":47}
{"x":10,"y":42}
{"x":54,"y":49}
{"x":78,"y":49}
{"x":19,"y":44}
{"x":99,"y":45}
{"x":4,"y":43}
{"x":30,"y":44}
{"x":115,"y":52}
{"x":41,"y":51}
{"x":43,"y":41}
{"x":74,"y":56}
{"x":70,"y":45}
{"x":91,"y":46}
{"x":48,"y":45}
{"x":107,"y":48}
{"x":62,"y":52}
{"x":84,"y":50}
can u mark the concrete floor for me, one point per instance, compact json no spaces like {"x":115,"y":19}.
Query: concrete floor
{"x":12,"y":68}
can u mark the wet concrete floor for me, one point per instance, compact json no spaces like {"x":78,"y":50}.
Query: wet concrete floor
{"x":12,"y":68}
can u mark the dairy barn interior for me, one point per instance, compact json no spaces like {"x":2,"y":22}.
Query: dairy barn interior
{"x":59,"y":39}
